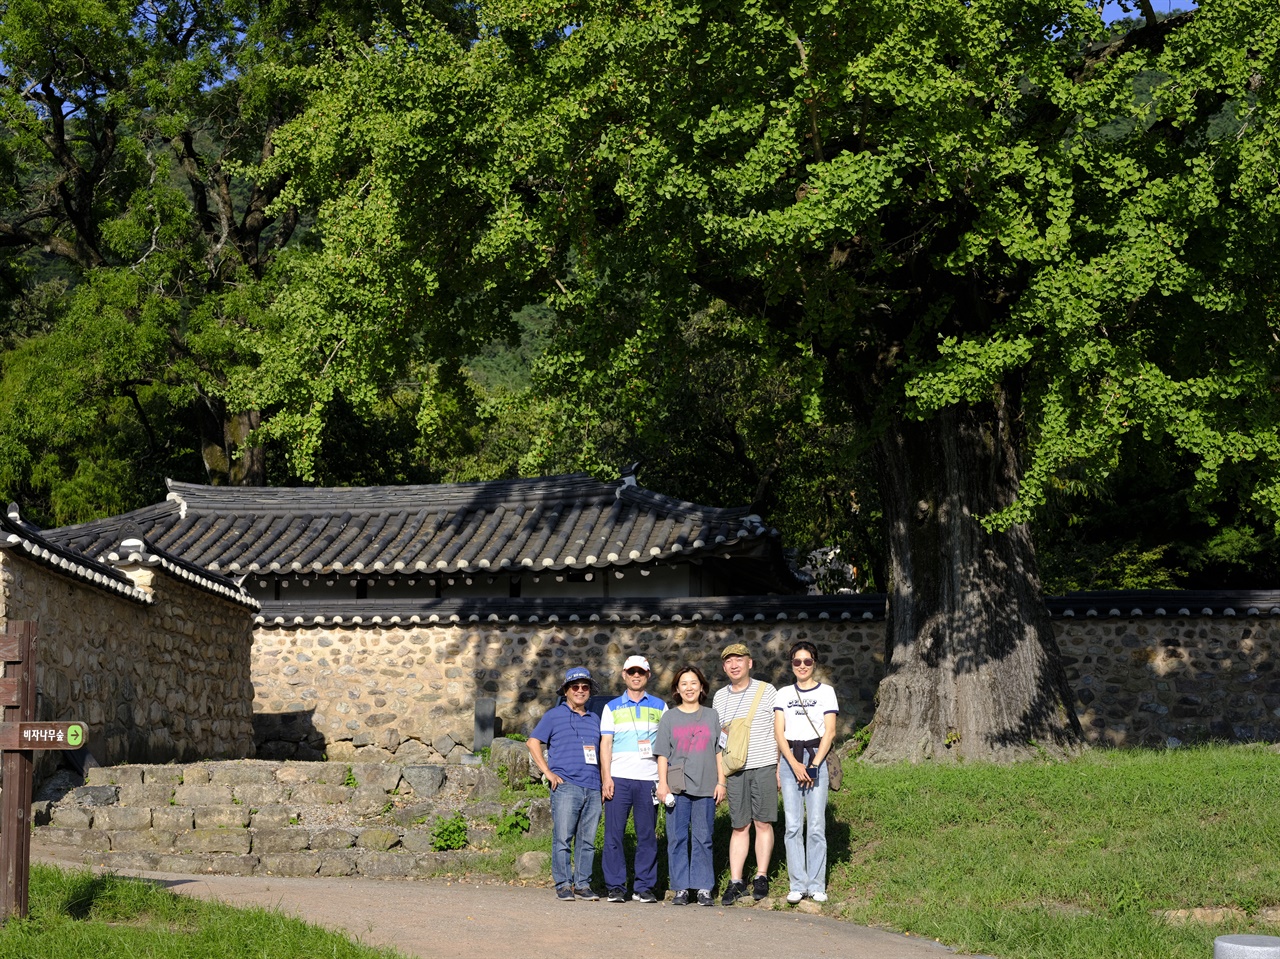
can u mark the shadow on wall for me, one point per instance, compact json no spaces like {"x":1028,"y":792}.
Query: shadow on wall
{"x":288,"y":735}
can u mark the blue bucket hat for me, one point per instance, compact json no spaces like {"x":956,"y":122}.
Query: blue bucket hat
{"x":576,"y":674}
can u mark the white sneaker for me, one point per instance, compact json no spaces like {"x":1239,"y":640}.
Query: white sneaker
{"x":819,"y":897}
{"x":794,"y":897}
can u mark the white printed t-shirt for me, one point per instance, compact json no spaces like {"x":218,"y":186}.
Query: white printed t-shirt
{"x":818,"y":700}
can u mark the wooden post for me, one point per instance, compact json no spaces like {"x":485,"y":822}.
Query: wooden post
{"x":18,"y":696}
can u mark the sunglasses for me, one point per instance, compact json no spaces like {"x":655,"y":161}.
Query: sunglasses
{"x":802,"y":662}
{"x":636,"y":671}
{"x":574,"y":687}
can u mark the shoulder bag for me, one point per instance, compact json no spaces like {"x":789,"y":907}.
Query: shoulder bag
{"x":738,"y":739}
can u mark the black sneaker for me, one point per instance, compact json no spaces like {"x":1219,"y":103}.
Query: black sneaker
{"x":645,"y":895}
{"x":681,"y":898}
{"x":735,"y":891}
{"x":617,"y":895}
{"x":759,"y":887}
{"x":586,"y":892}
{"x":704,"y":898}
{"x":564,"y":893}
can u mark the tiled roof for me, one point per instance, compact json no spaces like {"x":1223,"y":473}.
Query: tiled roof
{"x":552,"y":523}
{"x":718,"y":609}
{"x":137,"y":551}
{"x":19,"y":535}
{"x":102,"y":571}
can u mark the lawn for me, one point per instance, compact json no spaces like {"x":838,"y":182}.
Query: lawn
{"x":77,"y":915}
{"x":1062,"y":860}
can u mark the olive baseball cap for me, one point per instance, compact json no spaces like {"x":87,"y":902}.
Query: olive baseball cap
{"x":735,"y":649}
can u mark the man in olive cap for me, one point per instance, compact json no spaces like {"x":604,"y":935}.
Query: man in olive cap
{"x":571,"y":734}
{"x":753,"y":789}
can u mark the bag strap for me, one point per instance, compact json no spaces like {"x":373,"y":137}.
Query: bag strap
{"x":805,"y":710}
{"x":755,"y":703}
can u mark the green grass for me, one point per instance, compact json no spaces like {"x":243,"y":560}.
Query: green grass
{"x":78,"y":915}
{"x":1061,"y":860}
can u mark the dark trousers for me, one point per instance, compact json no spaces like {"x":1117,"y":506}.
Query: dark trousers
{"x":631,"y":797}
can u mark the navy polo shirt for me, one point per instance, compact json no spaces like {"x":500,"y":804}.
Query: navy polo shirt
{"x":564,"y":734}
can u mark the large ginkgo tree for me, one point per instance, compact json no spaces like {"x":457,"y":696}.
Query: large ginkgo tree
{"x":991,"y":238}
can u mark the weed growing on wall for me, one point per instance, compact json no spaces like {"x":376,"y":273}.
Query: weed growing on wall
{"x":450,"y":833}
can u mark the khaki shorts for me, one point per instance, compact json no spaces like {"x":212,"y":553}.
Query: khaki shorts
{"x":753,"y":796}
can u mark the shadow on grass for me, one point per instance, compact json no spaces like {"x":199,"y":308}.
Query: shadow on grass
{"x":83,"y":895}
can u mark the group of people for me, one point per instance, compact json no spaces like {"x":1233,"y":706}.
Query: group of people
{"x":640,"y":752}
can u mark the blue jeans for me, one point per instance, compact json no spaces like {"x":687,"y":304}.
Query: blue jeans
{"x":575,"y":814}
{"x":634,"y":796}
{"x":689,"y":857}
{"x":806,"y":835}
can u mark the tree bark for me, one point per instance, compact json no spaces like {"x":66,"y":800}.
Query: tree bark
{"x":973,"y":668}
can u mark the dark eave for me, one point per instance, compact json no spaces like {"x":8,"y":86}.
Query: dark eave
{"x":861,"y":607}
{"x":1136,"y":603}
{"x":719,"y":609}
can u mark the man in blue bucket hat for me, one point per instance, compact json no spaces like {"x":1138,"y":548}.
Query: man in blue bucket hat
{"x":570,"y":734}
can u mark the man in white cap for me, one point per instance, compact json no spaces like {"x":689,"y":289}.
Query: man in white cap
{"x":629,"y":774}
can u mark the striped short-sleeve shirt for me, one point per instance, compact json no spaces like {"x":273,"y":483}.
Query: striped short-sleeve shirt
{"x":763,"y":750}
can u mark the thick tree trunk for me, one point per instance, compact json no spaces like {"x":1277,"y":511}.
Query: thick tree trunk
{"x":973,"y":667}
{"x":228,"y":461}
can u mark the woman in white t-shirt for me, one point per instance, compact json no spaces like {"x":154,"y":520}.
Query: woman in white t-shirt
{"x":804,"y":724}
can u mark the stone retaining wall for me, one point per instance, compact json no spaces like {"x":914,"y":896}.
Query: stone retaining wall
{"x":282,"y":819}
{"x":1166,"y":681}
{"x":376,"y":693}
{"x":160,"y":681}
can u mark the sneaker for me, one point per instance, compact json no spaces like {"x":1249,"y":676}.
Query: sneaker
{"x":681,"y":898}
{"x":819,"y":897}
{"x":586,"y":892}
{"x":704,"y":898}
{"x":564,"y":893}
{"x":794,"y":897}
{"x":644,"y":895}
{"x":617,"y":895}
{"x":759,"y":887}
{"x":735,"y":891}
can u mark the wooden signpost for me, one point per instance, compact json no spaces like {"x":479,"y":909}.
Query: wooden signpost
{"x":19,"y":736}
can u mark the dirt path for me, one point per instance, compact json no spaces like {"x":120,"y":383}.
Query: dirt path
{"x":493,"y":920}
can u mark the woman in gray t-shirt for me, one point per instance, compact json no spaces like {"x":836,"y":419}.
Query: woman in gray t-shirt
{"x":687,"y":740}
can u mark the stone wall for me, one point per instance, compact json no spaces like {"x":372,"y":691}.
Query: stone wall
{"x":154,"y":682}
{"x":383,"y":692}
{"x":1171,"y":680}
{"x":377,"y":693}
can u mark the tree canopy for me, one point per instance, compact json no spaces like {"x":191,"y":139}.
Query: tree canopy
{"x":991,"y":241}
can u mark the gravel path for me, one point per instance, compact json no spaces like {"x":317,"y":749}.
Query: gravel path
{"x":482,"y":919}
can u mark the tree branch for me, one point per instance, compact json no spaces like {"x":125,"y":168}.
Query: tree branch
{"x":811,"y":100}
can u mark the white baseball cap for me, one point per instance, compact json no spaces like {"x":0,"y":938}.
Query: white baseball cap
{"x":633,"y":661}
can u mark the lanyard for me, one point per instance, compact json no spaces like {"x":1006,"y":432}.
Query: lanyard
{"x":741,"y":698}
{"x":648,"y":730}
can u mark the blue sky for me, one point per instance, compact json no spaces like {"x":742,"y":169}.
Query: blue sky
{"x":1112,"y":11}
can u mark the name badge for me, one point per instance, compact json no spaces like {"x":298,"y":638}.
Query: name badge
{"x":724,"y":740}
{"x":589,"y":755}
{"x":646,"y":749}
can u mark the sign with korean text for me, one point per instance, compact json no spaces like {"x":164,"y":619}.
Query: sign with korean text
{"x":42,"y":735}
